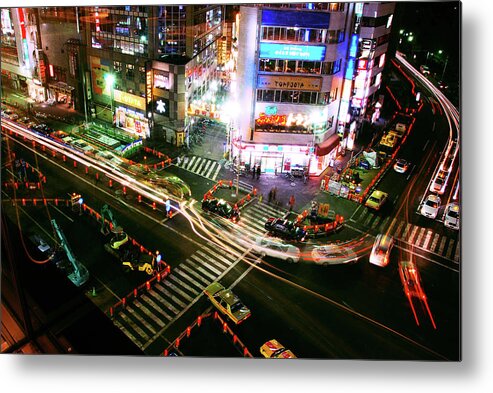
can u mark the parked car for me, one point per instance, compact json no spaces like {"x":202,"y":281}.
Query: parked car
{"x":273,"y":349}
{"x":376,"y":200}
{"x":451,"y":218}
{"x":276,"y":249}
{"x":221,"y":208}
{"x":431,"y":206}
{"x":380,"y":252}
{"x":227,"y":302}
{"x":410,"y":279}
{"x":333,"y":254}
{"x":285,"y":229}
{"x":401,"y":165}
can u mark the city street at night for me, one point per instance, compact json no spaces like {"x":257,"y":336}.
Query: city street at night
{"x":232,"y":181}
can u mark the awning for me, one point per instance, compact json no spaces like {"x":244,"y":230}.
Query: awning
{"x":324,"y":148}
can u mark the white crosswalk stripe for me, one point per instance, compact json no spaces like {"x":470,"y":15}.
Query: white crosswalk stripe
{"x":201,"y":166}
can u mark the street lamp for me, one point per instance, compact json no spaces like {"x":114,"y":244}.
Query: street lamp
{"x":445,"y":66}
{"x":110,"y":80}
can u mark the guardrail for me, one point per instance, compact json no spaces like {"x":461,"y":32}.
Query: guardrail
{"x":197,"y":323}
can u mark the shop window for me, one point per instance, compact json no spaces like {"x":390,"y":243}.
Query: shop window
{"x":290,"y":66}
{"x":268,"y":95}
{"x":277,"y":95}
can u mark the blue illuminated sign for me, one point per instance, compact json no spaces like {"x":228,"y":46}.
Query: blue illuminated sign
{"x":292,"y":18}
{"x":292,"y":52}
{"x":350,"y":69}
{"x":353,"y":48}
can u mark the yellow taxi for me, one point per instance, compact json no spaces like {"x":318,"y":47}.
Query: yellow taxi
{"x":273,"y":349}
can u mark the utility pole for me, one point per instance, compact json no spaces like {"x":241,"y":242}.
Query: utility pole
{"x":444,"y":67}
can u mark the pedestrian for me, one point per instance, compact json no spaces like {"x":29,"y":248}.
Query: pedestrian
{"x":253,"y":173}
{"x":258,"y":172}
{"x":260,"y":198}
{"x":271,"y":193}
{"x":291,"y":202}
{"x":274,"y":193}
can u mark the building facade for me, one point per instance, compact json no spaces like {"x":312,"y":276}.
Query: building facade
{"x":296,"y":79}
{"x":150,"y":67}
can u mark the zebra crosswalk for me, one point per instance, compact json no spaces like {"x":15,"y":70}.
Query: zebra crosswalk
{"x":254,"y":217}
{"x":201,"y":166}
{"x":421,"y":237}
{"x":144,"y":318}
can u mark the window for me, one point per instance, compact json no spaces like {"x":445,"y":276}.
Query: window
{"x":130,"y":72}
{"x":117,"y":66}
{"x":142,"y":74}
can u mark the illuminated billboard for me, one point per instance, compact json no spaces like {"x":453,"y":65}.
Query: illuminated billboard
{"x":292,"y":52}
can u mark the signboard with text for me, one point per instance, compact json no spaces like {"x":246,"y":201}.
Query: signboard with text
{"x":289,"y":83}
{"x":292,"y":52}
{"x":129,"y":99}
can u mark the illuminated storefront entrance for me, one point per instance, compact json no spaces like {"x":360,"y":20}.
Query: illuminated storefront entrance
{"x":132,"y":121}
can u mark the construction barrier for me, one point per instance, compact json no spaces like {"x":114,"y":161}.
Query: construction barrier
{"x":229,"y":184}
{"x":225,"y":329}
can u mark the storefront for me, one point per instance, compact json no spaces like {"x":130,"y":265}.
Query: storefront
{"x":61,"y":93}
{"x":130,"y":114}
{"x":36,"y":90}
{"x":276,"y":159}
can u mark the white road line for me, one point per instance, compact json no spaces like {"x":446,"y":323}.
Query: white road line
{"x":142,"y":306}
{"x":392,"y":225}
{"x":435,"y":242}
{"x":368,"y":219}
{"x":184,"y":283}
{"x":421,"y":233}
{"x":427,"y":239}
{"x":156,"y":306}
{"x":442,"y":245}
{"x":217,"y":172}
{"x":406,"y":231}
{"x":62,"y":213}
{"x":201,"y":265}
{"x":199,"y":160}
{"x":413,"y":233}
{"x":177,"y":291}
{"x":207,"y":166}
{"x":450,"y":248}
{"x":190,"y":163}
{"x":192,"y":272}
{"x":170,"y":295}
{"x":211,"y":168}
{"x":153,"y":293}
{"x":132,"y":324}
{"x":457,"y":251}
{"x":184,"y":275}
{"x":382,"y":225}
{"x":401,"y":224}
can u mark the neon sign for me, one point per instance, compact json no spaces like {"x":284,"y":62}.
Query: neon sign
{"x":292,"y":52}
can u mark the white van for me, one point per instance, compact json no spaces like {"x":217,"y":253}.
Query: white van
{"x":276,"y":249}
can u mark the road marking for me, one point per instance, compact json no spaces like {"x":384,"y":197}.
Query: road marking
{"x":190,"y":163}
{"x":457,"y":251}
{"x":442,"y":245}
{"x":155,"y":306}
{"x":413,"y":233}
{"x":206,"y":281}
{"x":207,"y":165}
{"x":62,"y":213}
{"x":199,"y":159}
{"x":427,"y":239}
{"x":421,"y":233}
{"x":435,"y":242}
{"x":406,"y":231}
{"x":217,"y":172}
{"x":368,"y":219}
{"x":357,"y":209}
{"x":396,"y":234}
{"x":170,"y":295}
{"x":392,"y":224}
{"x":180,"y":292}
{"x":450,"y":248}
{"x":426,"y":144}
{"x":382,"y":225}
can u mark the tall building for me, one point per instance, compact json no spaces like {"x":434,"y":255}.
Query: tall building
{"x":296,"y":80}
{"x":151,"y":67}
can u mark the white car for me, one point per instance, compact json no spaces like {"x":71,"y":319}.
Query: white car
{"x":451,"y":218}
{"x":440,"y":182}
{"x":431,"y":206}
{"x":276,"y":249}
{"x":380,"y":253}
{"x":401,"y":165}
{"x":333,"y":254}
